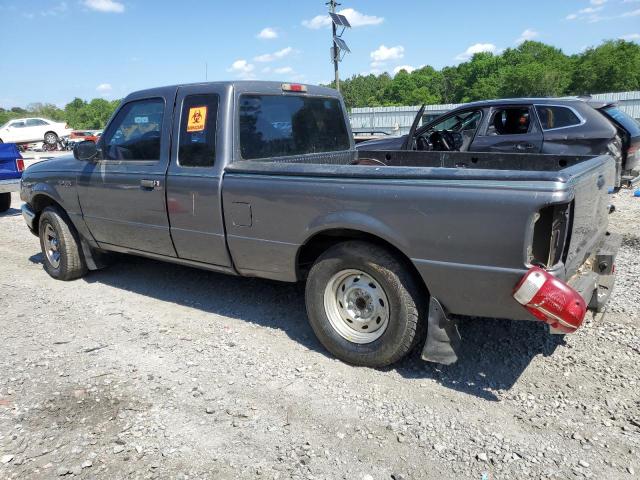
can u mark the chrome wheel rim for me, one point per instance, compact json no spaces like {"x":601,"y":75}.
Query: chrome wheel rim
{"x":357,"y":306}
{"x":51,"y":246}
{"x":50,"y":138}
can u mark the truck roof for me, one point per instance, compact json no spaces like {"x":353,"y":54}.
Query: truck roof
{"x":246,"y":86}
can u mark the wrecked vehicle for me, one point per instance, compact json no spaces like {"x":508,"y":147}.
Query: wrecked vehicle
{"x":525,"y":125}
{"x":261,"y":179}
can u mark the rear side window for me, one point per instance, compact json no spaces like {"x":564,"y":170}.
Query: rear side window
{"x":35,"y":122}
{"x":630,"y":124}
{"x":135,"y":133}
{"x":198,"y":127}
{"x":510,"y":121}
{"x":556,"y":117}
{"x":278,"y":126}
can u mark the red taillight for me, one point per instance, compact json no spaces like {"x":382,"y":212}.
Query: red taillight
{"x":551,"y":300}
{"x":294,"y":87}
{"x":19,"y":164}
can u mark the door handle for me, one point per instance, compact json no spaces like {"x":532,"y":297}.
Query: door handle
{"x":525,"y":146}
{"x":149,"y":184}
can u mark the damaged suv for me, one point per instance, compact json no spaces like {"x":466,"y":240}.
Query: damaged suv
{"x":524,"y":125}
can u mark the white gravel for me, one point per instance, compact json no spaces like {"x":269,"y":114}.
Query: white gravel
{"x":149,"y":370}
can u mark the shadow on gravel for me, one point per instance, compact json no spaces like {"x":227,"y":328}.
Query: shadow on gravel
{"x":494,"y":355}
{"x":12,"y":212}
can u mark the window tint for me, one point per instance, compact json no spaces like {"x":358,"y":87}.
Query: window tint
{"x":18,"y":125}
{"x":135,"y":132}
{"x":276,"y":126}
{"x":556,"y":117}
{"x":628,"y":123}
{"x":509,"y":121}
{"x":198,"y":131}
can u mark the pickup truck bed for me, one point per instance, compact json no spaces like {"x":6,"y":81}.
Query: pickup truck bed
{"x":262,"y":179}
{"x":465,"y":229}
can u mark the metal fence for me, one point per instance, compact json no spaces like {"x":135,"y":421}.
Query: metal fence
{"x":398,"y":120}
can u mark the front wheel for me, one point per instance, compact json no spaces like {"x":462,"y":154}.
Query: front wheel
{"x":60,"y":245}
{"x":5,"y":202}
{"x":364,"y":304}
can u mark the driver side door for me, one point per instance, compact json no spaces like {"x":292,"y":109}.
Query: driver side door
{"x":122,"y":192}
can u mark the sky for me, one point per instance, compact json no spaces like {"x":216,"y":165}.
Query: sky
{"x":53,"y":51}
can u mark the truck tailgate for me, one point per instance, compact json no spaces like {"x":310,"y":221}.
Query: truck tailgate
{"x":590,"y":208}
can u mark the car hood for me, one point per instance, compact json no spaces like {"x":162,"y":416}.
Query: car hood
{"x":66,"y":163}
{"x":387,"y":143}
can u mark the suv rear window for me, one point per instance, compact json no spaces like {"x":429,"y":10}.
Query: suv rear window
{"x":556,"y":117}
{"x":630,"y":124}
{"x":279,"y":126}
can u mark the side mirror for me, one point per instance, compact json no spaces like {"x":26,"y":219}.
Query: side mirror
{"x":86,"y":150}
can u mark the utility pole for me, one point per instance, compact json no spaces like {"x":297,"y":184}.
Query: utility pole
{"x":339,"y":48}
{"x":336,"y":52}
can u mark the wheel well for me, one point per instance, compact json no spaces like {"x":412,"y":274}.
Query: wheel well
{"x":39,"y":203}
{"x":321,"y":242}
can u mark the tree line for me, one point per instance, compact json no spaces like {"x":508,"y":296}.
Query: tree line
{"x":531,"y":69}
{"x":78,"y":113}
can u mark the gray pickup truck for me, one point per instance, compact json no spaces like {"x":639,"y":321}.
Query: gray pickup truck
{"x":261,"y":179}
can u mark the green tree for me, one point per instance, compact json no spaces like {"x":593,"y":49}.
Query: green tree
{"x":612,"y":66}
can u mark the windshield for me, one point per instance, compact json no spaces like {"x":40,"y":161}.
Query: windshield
{"x":630,"y":124}
{"x":459,"y":122}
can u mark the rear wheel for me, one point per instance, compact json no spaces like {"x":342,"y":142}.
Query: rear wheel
{"x":5,"y":202}
{"x":364,"y":304}
{"x":60,"y":245}
{"x":50,"y":138}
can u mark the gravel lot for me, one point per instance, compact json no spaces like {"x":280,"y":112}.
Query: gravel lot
{"x":149,"y":370}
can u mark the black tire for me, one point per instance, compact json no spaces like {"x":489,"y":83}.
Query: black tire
{"x":50,"y":138}
{"x":71,"y":264}
{"x":406,"y":298}
{"x":5,"y":201}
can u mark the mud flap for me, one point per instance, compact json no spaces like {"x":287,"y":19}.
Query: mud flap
{"x":443,"y":337}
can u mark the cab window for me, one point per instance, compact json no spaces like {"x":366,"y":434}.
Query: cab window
{"x":198,"y":127}
{"x":556,"y":117}
{"x":509,"y":121}
{"x":135,"y":133}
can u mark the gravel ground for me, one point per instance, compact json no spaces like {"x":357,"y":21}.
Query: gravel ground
{"x":150,"y":370}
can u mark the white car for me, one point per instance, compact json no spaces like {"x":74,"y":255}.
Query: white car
{"x":23,"y":130}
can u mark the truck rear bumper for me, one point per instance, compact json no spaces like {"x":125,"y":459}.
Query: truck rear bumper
{"x":11,"y":185}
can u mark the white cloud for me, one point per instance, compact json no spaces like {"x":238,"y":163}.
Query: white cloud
{"x":270,"y":57}
{"x":572,"y":16}
{"x":356,"y":19}
{"x":632,"y":37}
{"x":104,"y":88}
{"x":283,"y":70}
{"x":108,"y":6}
{"x":408,"y":68}
{"x":267,"y":33}
{"x":589,"y":10}
{"x":632,"y":13}
{"x":242,"y":68}
{"x":383,"y":54}
{"x":477,"y":48}
{"x":598,"y":2}
{"x":528,"y":34}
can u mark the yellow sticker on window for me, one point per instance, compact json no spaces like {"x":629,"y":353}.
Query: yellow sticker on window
{"x":197,"y":119}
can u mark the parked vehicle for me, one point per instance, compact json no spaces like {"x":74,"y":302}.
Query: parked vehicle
{"x":521,"y":125}
{"x":261,"y":179}
{"x":25,"y":130}
{"x":83,"y":135}
{"x":11,"y":167}
{"x":629,"y":132}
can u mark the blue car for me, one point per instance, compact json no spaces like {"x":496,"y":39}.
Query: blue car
{"x":11,"y":167}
